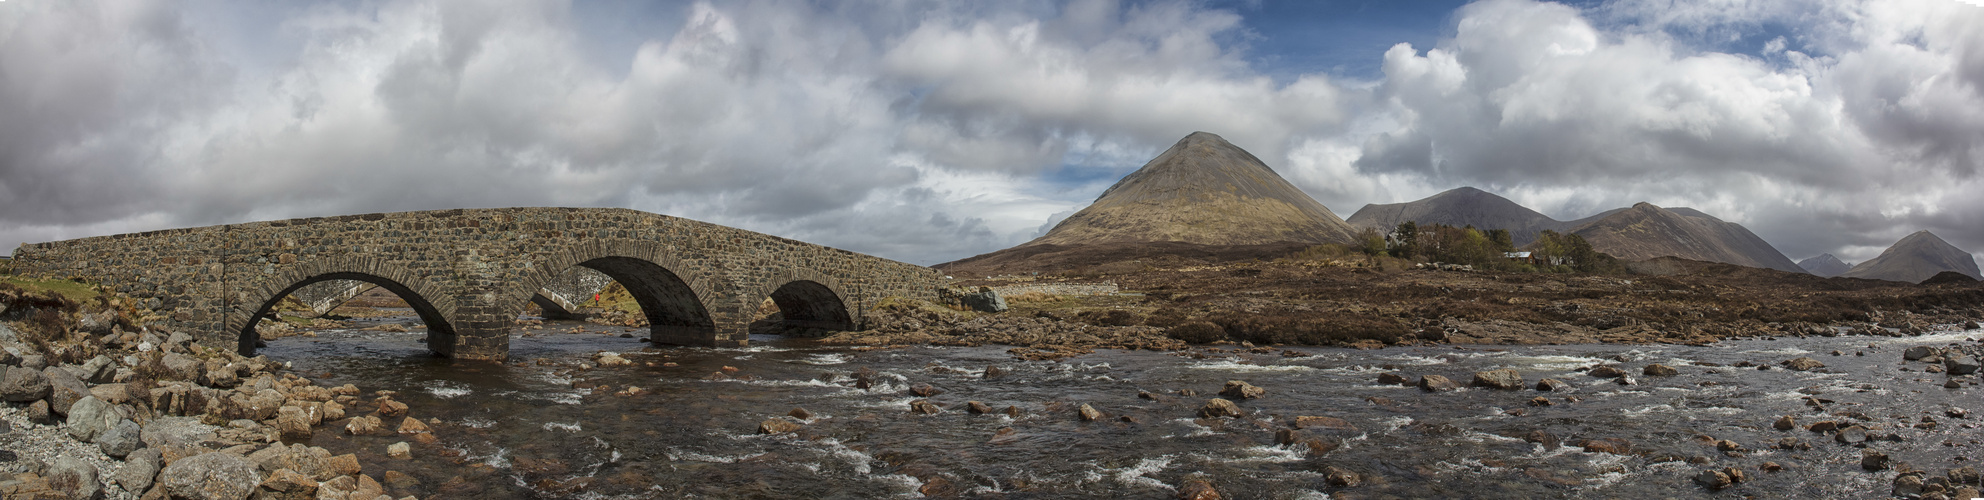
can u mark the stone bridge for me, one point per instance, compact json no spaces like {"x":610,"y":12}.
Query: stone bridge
{"x":469,"y":273}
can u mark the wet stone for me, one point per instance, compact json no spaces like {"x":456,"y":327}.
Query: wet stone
{"x":1552,"y":385}
{"x":1217,"y":407}
{"x":1785,"y":423}
{"x":1436,"y":383}
{"x":1875,"y":460}
{"x":1393,"y":379}
{"x":1607,"y":371}
{"x":1659,"y":370}
{"x":977,"y":408}
{"x":1509,"y":380}
{"x":1239,"y":389}
{"x":1089,"y":413}
{"x":1714,"y":480}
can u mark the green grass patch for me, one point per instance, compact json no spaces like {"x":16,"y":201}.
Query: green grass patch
{"x":76,"y":291}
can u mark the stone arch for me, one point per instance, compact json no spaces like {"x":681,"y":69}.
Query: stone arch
{"x":431,"y":302}
{"x":806,"y":299}
{"x":672,"y":294}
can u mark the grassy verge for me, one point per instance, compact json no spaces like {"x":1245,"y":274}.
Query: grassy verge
{"x":76,"y":291}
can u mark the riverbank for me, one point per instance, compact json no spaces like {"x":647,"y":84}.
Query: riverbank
{"x":1368,"y":305}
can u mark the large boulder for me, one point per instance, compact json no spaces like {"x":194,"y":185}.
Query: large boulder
{"x":1552,"y":385}
{"x":92,"y":416}
{"x":1607,"y":371}
{"x":22,"y":385}
{"x":1659,"y":370}
{"x":212,"y":476}
{"x":1508,"y":380}
{"x":1960,"y":365}
{"x":309,"y":461}
{"x":74,"y":476}
{"x":65,"y":389}
{"x":100,"y":370}
{"x":1918,"y":352}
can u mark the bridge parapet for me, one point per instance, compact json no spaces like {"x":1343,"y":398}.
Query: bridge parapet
{"x":469,"y":272}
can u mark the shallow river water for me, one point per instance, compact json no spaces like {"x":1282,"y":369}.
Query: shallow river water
{"x":525,"y":429}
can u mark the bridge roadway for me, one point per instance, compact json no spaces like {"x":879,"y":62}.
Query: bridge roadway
{"x":468,"y":273}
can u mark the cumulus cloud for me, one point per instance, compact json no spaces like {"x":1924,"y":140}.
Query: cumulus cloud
{"x":933,"y":131}
{"x":1870,"y":130}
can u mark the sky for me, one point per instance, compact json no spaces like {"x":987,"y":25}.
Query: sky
{"x":928,"y":131}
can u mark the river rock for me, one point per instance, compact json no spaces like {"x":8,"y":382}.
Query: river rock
{"x":400,"y":450}
{"x":1240,"y":389}
{"x":1198,"y":489}
{"x":924,"y":391}
{"x":1309,"y":422}
{"x":1540,"y":401}
{"x":1908,"y":485}
{"x":344,"y":465}
{"x":1340,"y":477}
{"x":23,"y":385}
{"x":1659,"y":370}
{"x":1853,"y":434}
{"x":1785,"y":423}
{"x":412,"y":425}
{"x":140,"y":467}
{"x":1089,"y":413}
{"x":1508,"y":380}
{"x":924,"y":406}
{"x":351,"y":486}
{"x":800,"y":413}
{"x":1552,"y":385}
{"x":390,"y":408}
{"x":34,"y":362}
{"x":977,"y":408}
{"x":1436,"y":383}
{"x":1218,"y":407}
{"x":363,"y":426}
{"x":1918,"y":352}
{"x":211,"y":476}
{"x":1607,"y":371}
{"x":1803,"y":364}
{"x":285,"y":484}
{"x":121,"y":439}
{"x":994,"y":371}
{"x":777,"y":426}
{"x":1614,"y":446}
{"x":1393,"y":379}
{"x":609,"y":359}
{"x":1961,"y":365}
{"x":1714,"y":480}
{"x":1964,"y":475}
{"x":1874,"y":460}
{"x":74,"y":476}
{"x":291,"y":423}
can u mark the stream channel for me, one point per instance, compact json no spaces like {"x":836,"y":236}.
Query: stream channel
{"x":526,"y":429}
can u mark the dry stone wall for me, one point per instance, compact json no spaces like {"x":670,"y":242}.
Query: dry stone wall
{"x":470,"y":272}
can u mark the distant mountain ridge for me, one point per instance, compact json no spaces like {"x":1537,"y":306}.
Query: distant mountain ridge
{"x":1914,"y":258}
{"x":1646,"y":231}
{"x":1640,"y":232}
{"x":1824,"y":266}
{"x":1460,"y":207}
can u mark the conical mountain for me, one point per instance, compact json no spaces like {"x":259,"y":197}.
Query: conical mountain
{"x":1460,"y":207}
{"x":1646,"y":231}
{"x":1915,"y":258}
{"x":1825,"y":266}
{"x":1203,"y":191}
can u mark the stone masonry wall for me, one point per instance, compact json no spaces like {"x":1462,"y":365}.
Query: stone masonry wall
{"x":473,"y":269}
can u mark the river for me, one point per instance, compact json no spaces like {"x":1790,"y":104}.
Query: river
{"x":528,"y":429}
